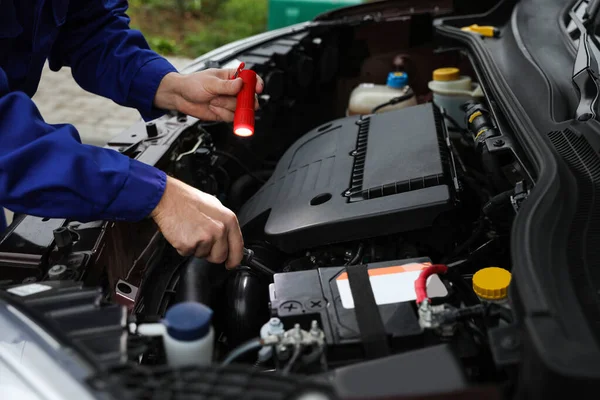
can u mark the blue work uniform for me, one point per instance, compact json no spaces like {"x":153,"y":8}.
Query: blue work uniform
{"x":44,"y":168}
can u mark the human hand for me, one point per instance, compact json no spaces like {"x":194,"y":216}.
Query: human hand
{"x":196,"y":223}
{"x":209,"y":95}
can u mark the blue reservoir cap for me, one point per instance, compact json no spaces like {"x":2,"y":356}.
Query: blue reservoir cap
{"x":188,"y":321}
{"x":397,"y":80}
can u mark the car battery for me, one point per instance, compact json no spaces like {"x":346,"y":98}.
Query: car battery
{"x":325,"y":295}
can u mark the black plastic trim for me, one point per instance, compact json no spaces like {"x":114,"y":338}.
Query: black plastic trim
{"x":544,"y":208}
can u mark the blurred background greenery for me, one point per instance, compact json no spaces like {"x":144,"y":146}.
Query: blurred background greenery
{"x":191,"y":28}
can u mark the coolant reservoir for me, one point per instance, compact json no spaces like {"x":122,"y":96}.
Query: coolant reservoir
{"x":451,"y":90}
{"x":367,"y":96}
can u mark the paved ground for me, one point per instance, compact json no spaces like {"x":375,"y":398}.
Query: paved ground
{"x":61,"y":100}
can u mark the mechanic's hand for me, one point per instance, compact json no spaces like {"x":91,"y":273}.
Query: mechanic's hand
{"x":197,"y":223}
{"x":209,"y":95}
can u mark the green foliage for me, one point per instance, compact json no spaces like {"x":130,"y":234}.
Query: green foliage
{"x":211,"y":7}
{"x":182,"y":5}
{"x":252,"y":12}
{"x":163,"y":46}
{"x":194,"y":27}
{"x":235,"y":19}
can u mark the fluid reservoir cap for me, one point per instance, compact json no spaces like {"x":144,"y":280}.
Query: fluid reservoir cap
{"x":491,"y":283}
{"x":188,"y":321}
{"x":446,"y":74}
{"x":397,"y":80}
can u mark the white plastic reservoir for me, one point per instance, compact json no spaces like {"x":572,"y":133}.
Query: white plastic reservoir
{"x":451,"y":90}
{"x":188,"y":336}
{"x":366,"y":96}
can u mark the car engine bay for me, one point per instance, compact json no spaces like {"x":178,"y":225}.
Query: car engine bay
{"x":375,"y":242}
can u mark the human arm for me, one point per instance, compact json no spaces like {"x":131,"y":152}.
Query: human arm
{"x":46,"y":171}
{"x":109,"y":58}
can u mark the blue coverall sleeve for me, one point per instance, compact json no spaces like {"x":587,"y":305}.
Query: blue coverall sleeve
{"x":46,"y":171}
{"x":107,"y":57}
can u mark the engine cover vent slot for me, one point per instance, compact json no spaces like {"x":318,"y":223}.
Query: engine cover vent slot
{"x":355,"y":192}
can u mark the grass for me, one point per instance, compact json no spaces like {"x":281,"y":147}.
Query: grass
{"x":191,"y":28}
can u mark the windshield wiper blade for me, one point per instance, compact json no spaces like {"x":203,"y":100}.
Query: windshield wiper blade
{"x":586,"y":79}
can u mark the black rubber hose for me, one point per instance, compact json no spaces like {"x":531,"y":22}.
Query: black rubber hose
{"x":498,"y":201}
{"x":239,"y":163}
{"x":394,"y":101}
{"x":198,"y":281}
{"x":226,"y":179}
{"x":255,"y":265}
{"x":247,"y":306}
{"x":240,"y":186}
{"x":358,"y":256}
{"x":462,"y":314}
{"x":477,"y":232}
{"x":479,"y":191}
{"x":464,"y":290}
{"x":493,"y":171}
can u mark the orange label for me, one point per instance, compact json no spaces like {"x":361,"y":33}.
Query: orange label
{"x":390,"y":270}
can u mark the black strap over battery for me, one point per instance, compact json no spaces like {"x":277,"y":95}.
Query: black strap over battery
{"x":372,"y":330}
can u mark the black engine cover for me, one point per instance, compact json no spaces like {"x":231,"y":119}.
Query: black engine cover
{"x":355,"y":178}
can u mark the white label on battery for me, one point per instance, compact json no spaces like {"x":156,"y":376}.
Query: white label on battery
{"x":27,"y":290}
{"x":392,"y":285}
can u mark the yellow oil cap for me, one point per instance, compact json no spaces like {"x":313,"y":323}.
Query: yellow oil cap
{"x":491,"y":283}
{"x":446,"y":74}
{"x":487,"y":31}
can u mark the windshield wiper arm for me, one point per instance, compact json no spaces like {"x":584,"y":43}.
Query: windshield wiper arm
{"x":586,"y":79}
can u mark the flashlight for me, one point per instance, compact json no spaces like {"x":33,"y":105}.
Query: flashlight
{"x":243,"y":119}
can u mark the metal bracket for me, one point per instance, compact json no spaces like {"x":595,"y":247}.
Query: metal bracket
{"x":521,"y":193}
{"x":505,"y":343}
{"x":126,"y":294}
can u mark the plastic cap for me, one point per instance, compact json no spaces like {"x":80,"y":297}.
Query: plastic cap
{"x":446,"y":74}
{"x":188,"y":321}
{"x":62,"y":237}
{"x":397,"y":80}
{"x":491,"y":283}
